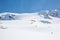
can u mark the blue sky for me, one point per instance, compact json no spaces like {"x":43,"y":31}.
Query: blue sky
{"x":25,"y":6}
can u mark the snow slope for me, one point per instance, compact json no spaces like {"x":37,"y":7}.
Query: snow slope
{"x":29,"y":26}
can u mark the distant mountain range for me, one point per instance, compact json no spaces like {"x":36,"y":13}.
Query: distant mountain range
{"x":42,"y":16}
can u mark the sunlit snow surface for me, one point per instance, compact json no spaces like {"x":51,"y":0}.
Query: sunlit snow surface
{"x":30,"y":27}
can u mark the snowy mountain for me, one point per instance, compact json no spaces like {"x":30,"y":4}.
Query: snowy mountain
{"x":47,"y":13}
{"x":8,"y":16}
{"x":43,"y":25}
{"x":44,"y":16}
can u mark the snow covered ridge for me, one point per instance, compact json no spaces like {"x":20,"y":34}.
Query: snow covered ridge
{"x":44,"y":16}
{"x":47,"y":13}
{"x":8,"y":16}
{"x":14,"y":16}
